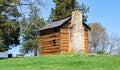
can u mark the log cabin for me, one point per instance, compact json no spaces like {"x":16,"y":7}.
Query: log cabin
{"x":69,"y":34}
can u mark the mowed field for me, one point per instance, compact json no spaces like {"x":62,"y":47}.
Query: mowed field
{"x":62,"y":62}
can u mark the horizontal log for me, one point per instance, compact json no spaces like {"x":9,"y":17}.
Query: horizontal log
{"x":48,"y":35}
{"x":64,"y":32}
{"x":64,"y":48}
{"x":65,"y":42}
{"x":49,"y":39}
{"x":64,"y":28}
{"x":86,"y":42}
{"x":86,"y":47}
{"x":50,"y":51}
{"x":44,"y":53}
{"x":63,"y":36}
{"x":64,"y":51}
{"x":51,"y":47}
{"x":45,"y":42}
{"x":49,"y":42}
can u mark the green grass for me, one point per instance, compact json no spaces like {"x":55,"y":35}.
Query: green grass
{"x":62,"y":62}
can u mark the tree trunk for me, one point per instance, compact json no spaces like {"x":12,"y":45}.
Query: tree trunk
{"x":35,"y":51}
{"x":110,"y":50}
{"x":90,"y":49}
{"x":95,"y":48}
{"x":103,"y":48}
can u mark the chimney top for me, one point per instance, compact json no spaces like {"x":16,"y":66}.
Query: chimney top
{"x":77,"y":9}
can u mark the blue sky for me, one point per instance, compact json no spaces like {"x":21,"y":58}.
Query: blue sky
{"x":106,"y":12}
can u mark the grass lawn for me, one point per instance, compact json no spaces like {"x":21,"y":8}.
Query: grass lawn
{"x":62,"y":62}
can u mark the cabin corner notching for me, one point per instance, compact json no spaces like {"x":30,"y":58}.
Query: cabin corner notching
{"x":69,"y":34}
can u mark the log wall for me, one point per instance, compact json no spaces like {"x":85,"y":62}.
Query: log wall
{"x":64,"y":40}
{"x":86,"y":40}
{"x":46,"y":43}
{"x":65,"y":37}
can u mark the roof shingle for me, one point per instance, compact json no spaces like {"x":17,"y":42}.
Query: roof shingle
{"x":55,"y":23}
{"x":59,"y":23}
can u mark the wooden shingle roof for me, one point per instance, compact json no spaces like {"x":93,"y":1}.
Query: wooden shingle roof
{"x":55,"y":23}
{"x":58,"y":23}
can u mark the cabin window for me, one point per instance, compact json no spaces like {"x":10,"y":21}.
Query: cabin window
{"x":53,"y":42}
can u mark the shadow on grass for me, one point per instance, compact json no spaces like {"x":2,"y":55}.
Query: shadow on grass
{"x":3,"y":58}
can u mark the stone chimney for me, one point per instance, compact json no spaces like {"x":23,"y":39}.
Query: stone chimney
{"x":76,"y":32}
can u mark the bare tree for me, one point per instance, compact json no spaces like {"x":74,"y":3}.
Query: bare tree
{"x":118,"y":50}
{"x":114,"y":43}
{"x":104,"y":41}
{"x":97,"y":35}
